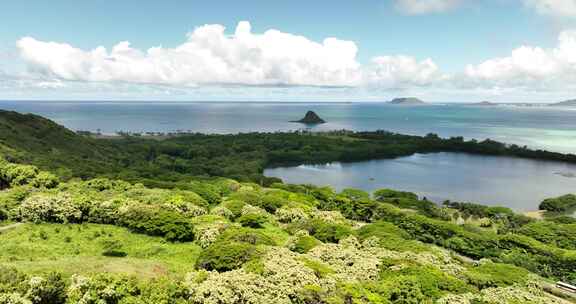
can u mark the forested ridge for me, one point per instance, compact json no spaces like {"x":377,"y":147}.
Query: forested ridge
{"x":190,"y":219}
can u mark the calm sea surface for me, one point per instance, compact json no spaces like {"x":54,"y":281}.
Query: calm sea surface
{"x":517,"y":183}
{"x":520,"y":184}
{"x":537,"y":127}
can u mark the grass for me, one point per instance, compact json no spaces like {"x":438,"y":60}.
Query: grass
{"x":77,"y":249}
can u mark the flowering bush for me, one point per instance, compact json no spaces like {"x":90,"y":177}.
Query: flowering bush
{"x":334,"y":217}
{"x":291,"y":215}
{"x":57,"y":208}
{"x":13,"y":298}
{"x":222,"y":211}
{"x":206,"y":235}
{"x":46,"y":290}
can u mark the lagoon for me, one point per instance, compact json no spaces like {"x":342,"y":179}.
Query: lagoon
{"x":520,"y":184}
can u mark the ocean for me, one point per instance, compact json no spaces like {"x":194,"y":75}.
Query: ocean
{"x":537,"y":127}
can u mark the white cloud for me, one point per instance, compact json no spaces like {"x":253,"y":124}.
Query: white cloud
{"x":209,"y":56}
{"x":566,"y":8}
{"x":529,"y":66}
{"x":402,"y":72}
{"x":419,"y":7}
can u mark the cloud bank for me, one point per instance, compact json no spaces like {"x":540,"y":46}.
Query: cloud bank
{"x":209,"y":56}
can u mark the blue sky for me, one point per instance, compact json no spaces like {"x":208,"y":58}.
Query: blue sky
{"x":451,"y":34}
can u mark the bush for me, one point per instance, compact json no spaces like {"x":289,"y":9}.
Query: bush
{"x":355,"y":194}
{"x":226,"y":256}
{"x":385,"y":194}
{"x":327,"y":232}
{"x":490,"y":274}
{"x":253,"y":220}
{"x":157,"y":222}
{"x":51,"y":208}
{"x":245,"y":235}
{"x":381,"y":230}
{"x":102,"y":288}
{"x":49,"y":290}
{"x":112,"y":248}
{"x":209,"y":193}
{"x":45,"y":180}
{"x":12,"y":280}
{"x":235,"y":206}
{"x":304,"y":244}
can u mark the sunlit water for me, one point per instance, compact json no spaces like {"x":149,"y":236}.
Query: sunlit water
{"x":520,"y":184}
{"x":537,"y":127}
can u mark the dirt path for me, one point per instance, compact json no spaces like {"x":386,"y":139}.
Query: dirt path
{"x":11,"y":226}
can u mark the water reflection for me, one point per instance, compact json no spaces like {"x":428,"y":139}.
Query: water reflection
{"x":520,"y":184}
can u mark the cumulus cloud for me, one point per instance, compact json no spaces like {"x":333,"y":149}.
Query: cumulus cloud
{"x":530,"y":66}
{"x":209,"y":56}
{"x":402,"y":72}
{"x":566,"y":8}
{"x":420,"y":7}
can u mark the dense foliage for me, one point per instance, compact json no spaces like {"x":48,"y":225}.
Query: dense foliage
{"x":157,"y":225}
{"x":559,"y":204}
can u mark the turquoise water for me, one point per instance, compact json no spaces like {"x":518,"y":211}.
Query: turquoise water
{"x":520,"y":184}
{"x":538,"y":127}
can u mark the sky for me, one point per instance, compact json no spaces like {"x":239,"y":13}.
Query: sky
{"x":256,"y":50}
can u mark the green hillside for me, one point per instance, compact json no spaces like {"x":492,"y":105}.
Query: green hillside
{"x":105,"y":241}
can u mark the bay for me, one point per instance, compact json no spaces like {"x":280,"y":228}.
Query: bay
{"x":520,"y":184}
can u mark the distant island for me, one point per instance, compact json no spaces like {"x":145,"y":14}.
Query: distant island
{"x":311,"y":118}
{"x":484,"y":104}
{"x":408,"y":101}
{"x":566,"y":103}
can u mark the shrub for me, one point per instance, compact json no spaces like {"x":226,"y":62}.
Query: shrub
{"x":13,"y":298}
{"x":245,"y":235}
{"x":490,"y":274}
{"x":112,"y":248}
{"x":57,"y":208}
{"x":182,"y":197}
{"x":12,"y":280}
{"x":209,"y":193}
{"x":101,"y":288}
{"x":223,"y":212}
{"x":291,"y":215}
{"x":45,"y":180}
{"x":385,"y":194}
{"x":226,"y":256}
{"x":153,"y":221}
{"x":381,"y":230}
{"x":303,"y":244}
{"x":235,"y":206}
{"x":327,"y":232}
{"x":49,"y":290}
{"x":253,"y":220}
